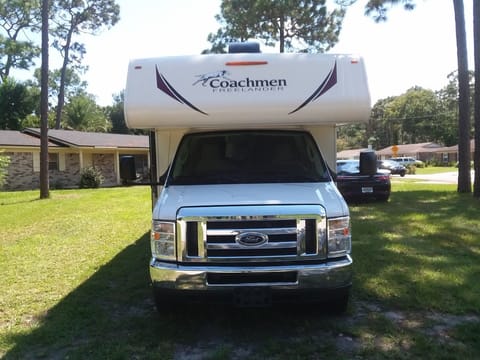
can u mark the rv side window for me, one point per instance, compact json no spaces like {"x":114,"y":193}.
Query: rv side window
{"x":242,"y":157}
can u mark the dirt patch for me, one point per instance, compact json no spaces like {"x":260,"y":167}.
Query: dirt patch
{"x":348,"y":334}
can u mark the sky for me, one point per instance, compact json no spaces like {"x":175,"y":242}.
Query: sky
{"x":413,"y":48}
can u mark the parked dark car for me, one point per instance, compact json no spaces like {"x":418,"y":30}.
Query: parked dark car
{"x":355,"y":186}
{"x":394,"y":167}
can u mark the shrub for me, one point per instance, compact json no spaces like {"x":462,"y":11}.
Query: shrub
{"x":4,"y":162}
{"x":91,"y":177}
{"x":411,"y":169}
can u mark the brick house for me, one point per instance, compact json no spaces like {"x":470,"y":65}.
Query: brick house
{"x":69,"y":152}
{"x":422,"y":151}
{"x":449,"y":155}
{"x":426,"y":152}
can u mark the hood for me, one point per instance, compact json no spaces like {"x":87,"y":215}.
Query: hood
{"x":173,"y":198}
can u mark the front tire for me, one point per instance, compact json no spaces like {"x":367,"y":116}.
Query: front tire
{"x":163,"y":302}
{"x":339,"y":306}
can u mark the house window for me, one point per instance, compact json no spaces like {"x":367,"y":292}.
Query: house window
{"x":445,"y":157}
{"x":56,"y":161}
{"x":52,"y":161}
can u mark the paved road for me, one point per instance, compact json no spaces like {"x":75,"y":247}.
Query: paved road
{"x":440,"y":178}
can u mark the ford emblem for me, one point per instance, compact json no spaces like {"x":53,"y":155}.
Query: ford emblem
{"x":251,"y":238}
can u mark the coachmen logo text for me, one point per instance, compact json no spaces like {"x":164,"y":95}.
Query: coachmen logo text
{"x":219,"y":81}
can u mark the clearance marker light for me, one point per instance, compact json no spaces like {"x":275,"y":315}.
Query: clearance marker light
{"x":245,"y":63}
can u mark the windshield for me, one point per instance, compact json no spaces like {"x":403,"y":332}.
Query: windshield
{"x":242,"y":157}
{"x":348,"y":167}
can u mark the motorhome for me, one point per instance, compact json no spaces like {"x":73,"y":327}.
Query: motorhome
{"x":243,"y":150}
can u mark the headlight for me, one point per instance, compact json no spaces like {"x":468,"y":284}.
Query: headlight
{"x":339,"y":237}
{"x":162,"y":240}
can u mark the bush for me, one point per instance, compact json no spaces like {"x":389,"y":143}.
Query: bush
{"x":91,"y":177}
{"x":411,"y":169}
{"x":4,"y":162}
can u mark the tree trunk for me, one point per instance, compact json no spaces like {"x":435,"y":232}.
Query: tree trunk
{"x":6,"y":71}
{"x":44,"y":185}
{"x":476,"y":39}
{"x":8,"y":63}
{"x":464,"y":180}
{"x":63,"y":74}
{"x":282,"y":33}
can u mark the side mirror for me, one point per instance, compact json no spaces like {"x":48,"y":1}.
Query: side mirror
{"x":163,"y":178}
{"x":333,"y":174}
{"x":127,"y":169}
{"x":368,"y":163}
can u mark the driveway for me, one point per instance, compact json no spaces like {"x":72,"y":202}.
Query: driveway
{"x":440,"y":178}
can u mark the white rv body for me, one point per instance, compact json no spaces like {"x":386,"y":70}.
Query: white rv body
{"x":267,"y":97}
{"x":220,"y":91}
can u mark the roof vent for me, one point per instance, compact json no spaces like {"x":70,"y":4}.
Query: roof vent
{"x":243,"y":47}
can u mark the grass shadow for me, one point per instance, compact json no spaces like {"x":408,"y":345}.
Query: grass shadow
{"x":112,"y":297}
{"x":19,"y":201}
{"x":112,"y":315}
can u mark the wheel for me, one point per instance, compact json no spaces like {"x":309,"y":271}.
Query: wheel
{"x":339,"y":305}
{"x":163,"y":302}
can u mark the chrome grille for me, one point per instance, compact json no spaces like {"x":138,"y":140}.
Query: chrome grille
{"x":216,"y":234}
{"x":221,"y":235}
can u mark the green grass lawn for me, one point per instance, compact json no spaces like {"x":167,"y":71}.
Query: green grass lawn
{"x":424,"y":245}
{"x":435,"y":170}
{"x":75,"y":285}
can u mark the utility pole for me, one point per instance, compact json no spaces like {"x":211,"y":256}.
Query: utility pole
{"x":464,"y":178}
{"x":44,"y":182}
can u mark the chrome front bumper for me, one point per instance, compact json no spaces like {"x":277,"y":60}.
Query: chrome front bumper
{"x":331,"y":275}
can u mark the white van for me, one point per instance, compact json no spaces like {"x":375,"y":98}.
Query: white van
{"x":407,"y":160}
{"x":246,"y":209}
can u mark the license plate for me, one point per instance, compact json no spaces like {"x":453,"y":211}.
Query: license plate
{"x":252,"y":297}
{"x":367,"y":190}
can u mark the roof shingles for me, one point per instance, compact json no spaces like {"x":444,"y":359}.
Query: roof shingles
{"x":91,"y":139}
{"x":13,"y":138}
